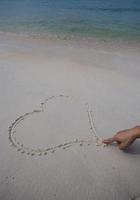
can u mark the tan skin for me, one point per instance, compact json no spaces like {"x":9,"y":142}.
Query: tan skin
{"x":124,"y":138}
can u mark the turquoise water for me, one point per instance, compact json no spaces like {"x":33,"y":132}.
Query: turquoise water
{"x":72,"y":18}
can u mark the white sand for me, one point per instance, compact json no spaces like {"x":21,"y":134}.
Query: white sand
{"x":107,"y":77}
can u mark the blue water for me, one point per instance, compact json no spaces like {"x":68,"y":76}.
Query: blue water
{"x":72,"y":18}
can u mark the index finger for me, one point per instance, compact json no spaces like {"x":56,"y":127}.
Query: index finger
{"x":109,"y":140}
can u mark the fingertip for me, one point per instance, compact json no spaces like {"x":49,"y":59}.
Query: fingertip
{"x":108,"y":141}
{"x":105,"y":141}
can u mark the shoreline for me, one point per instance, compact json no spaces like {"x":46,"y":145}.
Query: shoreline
{"x":78,"y":51}
{"x":87,"y":41}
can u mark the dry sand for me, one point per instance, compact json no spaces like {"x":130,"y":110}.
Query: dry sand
{"x":63,"y":162}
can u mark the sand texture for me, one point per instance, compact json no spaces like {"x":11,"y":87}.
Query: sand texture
{"x":58,"y":100}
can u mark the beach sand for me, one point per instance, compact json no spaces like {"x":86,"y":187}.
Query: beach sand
{"x":74,"y":73}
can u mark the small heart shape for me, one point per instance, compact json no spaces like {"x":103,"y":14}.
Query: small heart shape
{"x":61,"y":121}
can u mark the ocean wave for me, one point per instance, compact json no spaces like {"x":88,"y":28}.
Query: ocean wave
{"x":106,"y":9}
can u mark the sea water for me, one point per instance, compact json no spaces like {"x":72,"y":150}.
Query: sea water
{"x":116,"y":19}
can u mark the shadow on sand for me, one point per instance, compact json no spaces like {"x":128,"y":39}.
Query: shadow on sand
{"x":134,"y":148}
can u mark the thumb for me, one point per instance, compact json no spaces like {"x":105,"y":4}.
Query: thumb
{"x":122,"y":145}
{"x":109,"y":140}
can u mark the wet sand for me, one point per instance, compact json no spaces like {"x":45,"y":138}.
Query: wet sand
{"x":48,"y":150}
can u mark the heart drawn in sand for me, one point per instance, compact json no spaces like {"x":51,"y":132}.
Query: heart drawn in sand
{"x":61,"y":121}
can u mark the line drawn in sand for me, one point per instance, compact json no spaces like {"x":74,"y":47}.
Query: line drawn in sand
{"x":29,"y":151}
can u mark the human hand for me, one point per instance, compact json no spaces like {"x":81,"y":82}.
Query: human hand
{"x":124,"y":138}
